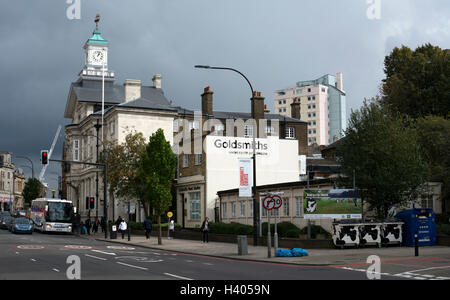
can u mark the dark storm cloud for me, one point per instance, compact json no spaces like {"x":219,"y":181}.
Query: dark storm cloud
{"x":275,"y":43}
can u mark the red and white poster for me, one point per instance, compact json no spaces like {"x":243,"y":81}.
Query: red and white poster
{"x":245,"y":177}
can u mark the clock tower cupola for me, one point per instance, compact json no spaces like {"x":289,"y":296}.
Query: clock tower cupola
{"x":96,"y":56}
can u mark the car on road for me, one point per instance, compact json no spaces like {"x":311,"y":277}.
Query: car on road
{"x":5,"y":220}
{"x":21,"y":225}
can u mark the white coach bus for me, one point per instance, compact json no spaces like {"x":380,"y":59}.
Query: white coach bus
{"x":52,"y":215}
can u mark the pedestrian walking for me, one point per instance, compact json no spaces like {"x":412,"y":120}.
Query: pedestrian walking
{"x":148,"y":227}
{"x":205,"y":229}
{"x":88,"y":226}
{"x":123,"y":228}
{"x":95,"y":226}
{"x":171,"y":229}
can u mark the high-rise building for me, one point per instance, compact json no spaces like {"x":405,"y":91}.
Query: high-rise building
{"x":322,"y":105}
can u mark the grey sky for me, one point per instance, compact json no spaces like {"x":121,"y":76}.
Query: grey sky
{"x":275,"y":43}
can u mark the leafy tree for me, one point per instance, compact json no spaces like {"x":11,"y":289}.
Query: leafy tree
{"x":434,"y":139}
{"x":385,"y":155}
{"x":123,"y":162}
{"x":417,"y":82}
{"x":157,"y":171}
{"x":32,"y":190}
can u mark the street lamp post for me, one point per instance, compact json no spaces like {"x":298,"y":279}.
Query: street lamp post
{"x":255,"y":204}
{"x":32,"y":166}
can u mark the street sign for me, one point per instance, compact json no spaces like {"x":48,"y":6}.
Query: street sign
{"x":268,"y":203}
{"x":278,"y":201}
{"x":169,"y":214}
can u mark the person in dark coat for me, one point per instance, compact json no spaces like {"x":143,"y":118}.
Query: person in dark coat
{"x":88,"y":226}
{"x":103,"y":224}
{"x":205,"y":229}
{"x":148,"y":227}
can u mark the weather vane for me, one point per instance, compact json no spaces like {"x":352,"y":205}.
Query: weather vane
{"x":97,"y":19}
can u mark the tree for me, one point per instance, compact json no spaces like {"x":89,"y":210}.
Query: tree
{"x":123,"y":161}
{"x":157,"y":171}
{"x":32,"y":190}
{"x":384,"y":153}
{"x":417,"y":82}
{"x":434,"y":139}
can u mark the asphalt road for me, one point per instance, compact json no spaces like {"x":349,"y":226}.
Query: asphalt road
{"x":44,"y":257}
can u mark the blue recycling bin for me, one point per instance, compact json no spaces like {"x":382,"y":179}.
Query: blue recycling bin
{"x":422,"y":220}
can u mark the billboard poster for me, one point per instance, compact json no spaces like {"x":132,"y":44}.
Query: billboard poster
{"x":332,"y":204}
{"x":245,"y":177}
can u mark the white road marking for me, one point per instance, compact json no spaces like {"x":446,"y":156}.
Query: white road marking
{"x":208,"y":264}
{"x":32,"y":259}
{"x":17,"y":253}
{"x":56,"y":270}
{"x":101,"y":258}
{"x":179,"y":277}
{"x":108,"y":253}
{"x":189,"y":261}
{"x":434,"y":268}
{"x":132,"y":266}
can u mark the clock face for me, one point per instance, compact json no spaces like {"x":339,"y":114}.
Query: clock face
{"x":98,"y":56}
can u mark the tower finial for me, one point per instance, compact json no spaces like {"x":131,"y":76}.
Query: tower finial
{"x":97,"y":19}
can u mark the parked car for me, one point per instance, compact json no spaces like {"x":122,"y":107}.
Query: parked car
{"x":21,"y":225}
{"x":5,"y":220}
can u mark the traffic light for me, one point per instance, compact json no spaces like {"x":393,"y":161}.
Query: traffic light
{"x":91,"y":202}
{"x":44,"y":157}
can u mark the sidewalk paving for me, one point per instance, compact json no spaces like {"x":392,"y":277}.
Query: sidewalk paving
{"x":317,"y":257}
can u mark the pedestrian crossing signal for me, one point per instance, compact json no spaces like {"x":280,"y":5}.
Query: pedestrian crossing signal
{"x":91,"y":202}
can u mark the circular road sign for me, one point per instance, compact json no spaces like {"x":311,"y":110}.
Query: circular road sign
{"x":278,"y":201}
{"x":169,"y":214}
{"x":268,"y":203}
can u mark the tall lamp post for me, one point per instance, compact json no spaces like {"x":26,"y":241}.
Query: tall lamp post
{"x":32,"y":166}
{"x":255,"y":204}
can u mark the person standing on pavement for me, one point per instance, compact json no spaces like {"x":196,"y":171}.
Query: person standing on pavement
{"x":205,"y":229}
{"x":103,"y":224}
{"x":171,"y":229}
{"x":148,"y":227}
{"x":95,"y":225}
{"x":123,"y":228}
{"x":88,"y":226}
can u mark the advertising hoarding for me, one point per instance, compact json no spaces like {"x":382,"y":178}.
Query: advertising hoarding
{"x":332,"y":204}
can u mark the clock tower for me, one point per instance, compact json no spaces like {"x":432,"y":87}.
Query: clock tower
{"x":96,"y":57}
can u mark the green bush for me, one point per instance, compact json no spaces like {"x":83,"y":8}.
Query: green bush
{"x":443,"y":229}
{"x":315,"y":230}
{"x":230,"y":228}
{"x":283,"y":229}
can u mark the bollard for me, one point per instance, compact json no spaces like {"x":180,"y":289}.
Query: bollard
{"x":416,"y":244}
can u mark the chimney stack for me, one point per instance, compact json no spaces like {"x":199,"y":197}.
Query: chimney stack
{"x":157,"y":81}
{"x":257,"y":108}
{"x":295,"y":109}
{"x":132,"y":89}
{"x":207,"y":101}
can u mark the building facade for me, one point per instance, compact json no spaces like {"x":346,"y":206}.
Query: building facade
{"x":323,"y":106}
{"x":12,"y":182}
{"x":224,"y":137}
{"x":129,"y":107}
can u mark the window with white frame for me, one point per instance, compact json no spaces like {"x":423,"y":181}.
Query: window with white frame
{"x":194,"y":124}
{"x":194,"y":206}
{"x":290,"y":134}
{"x":89,"y":146}
{"x":251,"y":208}
{"x":198,"y":159}
{"x":76,"y":150}
{"x":218,"y":129}
{"x":175,"y":125}
{"x":242,"y":208}
{"x":233,"y":209}
{"x":248,"y":131}
{"x":224,"y":210}
{"x":299,"y":206}
{"x":185,"y":160}
{"x":286,"y":207}
{"x":270,"y":130}
{"x":112,"y":128}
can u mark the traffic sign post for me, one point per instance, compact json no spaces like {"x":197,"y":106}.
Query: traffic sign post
{"x":270,"y":202}
{"x":169,"y":215}
{"x":277,"y":202}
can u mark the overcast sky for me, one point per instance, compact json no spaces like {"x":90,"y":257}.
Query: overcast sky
{"x":275,"y":43}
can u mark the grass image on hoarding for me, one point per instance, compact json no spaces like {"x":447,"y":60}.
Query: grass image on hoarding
{"x":335,"y":206}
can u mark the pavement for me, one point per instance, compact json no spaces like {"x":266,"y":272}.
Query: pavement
{"x":349,"y":257}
